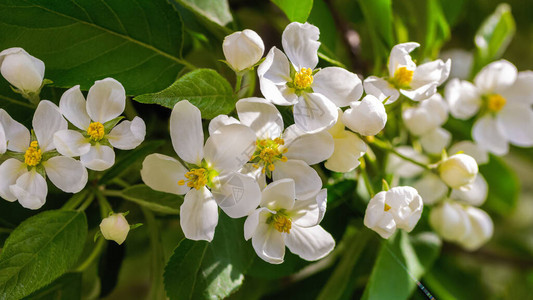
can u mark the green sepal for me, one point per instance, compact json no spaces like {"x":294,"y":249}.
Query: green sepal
{"x":97,"y":235}
{"x":112,"y":123}
{"x":136,"y":226}
{"x":49,"y":154}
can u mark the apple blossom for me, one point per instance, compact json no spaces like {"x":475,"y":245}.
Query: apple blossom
{"x":22,"y":70}
{"x":458,"y":171}
{"x":243,"y":49}
{"x":366,"y":117}
{"x":115,"y":228}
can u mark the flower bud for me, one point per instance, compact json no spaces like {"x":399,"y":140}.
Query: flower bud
{"x":243,"y":49}
{"x":482,"y":229}
{"x":22,"y":70}
{"x":450,"y":221}
{"x":458,"y":171}
{"x":367,"y":117}
{"x":115,"y":228}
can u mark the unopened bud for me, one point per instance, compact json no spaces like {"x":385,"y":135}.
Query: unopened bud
{"x":366,"y":117}
{"x":115,"y":228}
{"x":243,"y":49}
{"x":22,"y":70}
{"x":458,"y":171}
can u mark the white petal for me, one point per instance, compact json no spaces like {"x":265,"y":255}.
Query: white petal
{"x":399,"y":57}
{"x":461,"y":62}
{"x":74,"y":107}
{"x":310,"y":243}
{"x":238,"y":194}
{"x":306,"y":179}
{"x":310,"y":212}
{"x":106,"y":100}
{"x":3,"y":140}
{"x":273,"y":75}
{"x":482,"y":229}
{"x":260,"y":115}
{"x":71,"y":143}
{"x":348,"y":150}
{"x":66,"y":173}
{"x":243,"y":49}
{"x":431,"y":188}
{"x":367,"y":117}
{"x":516,"y":124}
{"x":470,"y":148}
{"x":10,"y":171}
{"x":199,"y":215}
{"x":436,"y":140}
{"x":381,"y":89}
{"x":22,"y":70}
{"x":30,"y":190}
{"x":268,"y":243}
{"x":229,"y":148}
{"x":377,"y":219}
{"x":186,"y":132}
{"x":98,"y":158}
{"x":476,"y":195}
{"x":311,"y":148}
{"x":422,"y":92}
{"x":279,"y":194}
{"x":128,"y":134}
{"x":17,"y":135}
{"x":522,"y":89}
{"x":300,"y":42}
{"x":487,"y":134}
{"x":252,"y":221}
{"x":437,"y":107}
{"x":463,"y":98}
{"x":314,"y":113}
{"x":436,"y":71}
{"x":450,"y":221}
{"x":496,"y":77}
{"x":404,"y":168}
{"x":405,"y":206}
{"x":162,"y":173}
{"x":47,"y":120}
{"x":338,"y":85}
{"x":219,"y":121}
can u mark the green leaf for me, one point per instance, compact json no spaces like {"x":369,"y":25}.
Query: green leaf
{"x":40,"y":250}
{"x":437,"y":29}
{"x":16,"y":106}
{"x":66,"y":287}
{"x":136,"y":42}
{"x":295,"y":10}
{"x":202,"y":270}
{"x":204,"y":88}
{"x":216,"y":11}
{"x":128,"y":160}
{"x":156,"y":201}
{"x":378,"y":17}
{"x":494,"y":35}
{"x":401,"y":260}
{"x":504,"y":186}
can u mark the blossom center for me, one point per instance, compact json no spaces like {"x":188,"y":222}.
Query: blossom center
{"x":268,"y":151}
{"x":496,"y":102}
{"x":96,"y":131}
{"x":303,"y":79}
{"x":196,"y":178}
{"x":33,"y":154}
{"x":282,"y":223}
{"x":402,"y":78}
{"x":387,"y":207}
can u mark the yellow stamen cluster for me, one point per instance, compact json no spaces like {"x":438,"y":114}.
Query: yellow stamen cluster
{"x":96,"y":131}
{"x":33,"y":154}
{"x":402,"y":78}
{"x":496,"y":102}
{"x":387,"y":207}
{"x":282,"y":223}
{"x":267,"y":151}
{"x":303,"y":79}
{"x":196,"y":178}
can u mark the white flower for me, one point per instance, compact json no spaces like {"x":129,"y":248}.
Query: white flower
{"x":414,"y":82}
{"x":284,"y":219}
{"x":461,"y":62}
{"x":281,"y":154}
{"x":468,"y":226}
{"x":400,"y":207}
{"x":96,"y":119}
{"x":502,"y":97}
{"x":115,"y":228}
{"x":315,"y":93}
{"x":348,"y":148}
{"x":243,"y":49}
{"x":22,"y":70}
{"x":367,"y":117}
{"x":212,"y":176}
{"x":3,"y":140}
{"x":467,"y":147}
{"x":398,"y":166}
{"x":458,"y":171}
{"x":24,"y":180}
{"x":476,"y":195}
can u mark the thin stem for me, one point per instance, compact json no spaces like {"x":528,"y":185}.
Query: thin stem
{"x":75,"y":200}
{"x":86,"y":203}
{"x":105,"y":207}
{"x":387,"y":147}
{"x":368,"y":184}
{"x":94,"y":254}
{"x":238,"y":82}
{"x":112,"y":193}
{"x":121,"y":182}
